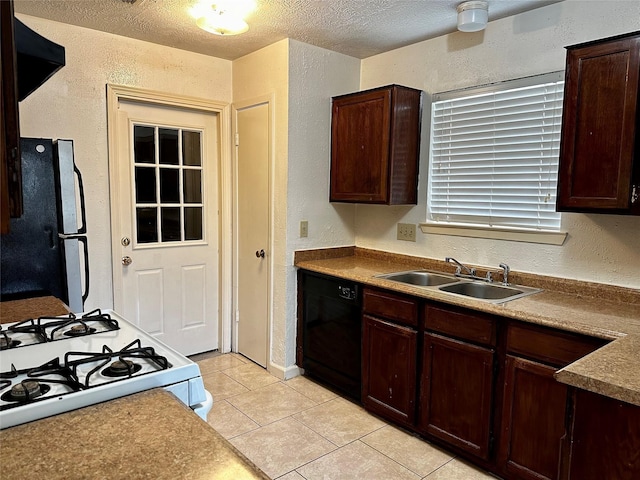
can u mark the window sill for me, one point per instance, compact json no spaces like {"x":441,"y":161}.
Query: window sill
{"x":528,"y":236}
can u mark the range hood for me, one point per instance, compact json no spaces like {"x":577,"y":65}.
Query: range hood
{"x":37,"y":59}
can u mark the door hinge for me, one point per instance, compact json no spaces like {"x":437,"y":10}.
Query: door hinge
{"x":237,"y":316}
{"x":237,"y":139}
{"x":635,"y":192}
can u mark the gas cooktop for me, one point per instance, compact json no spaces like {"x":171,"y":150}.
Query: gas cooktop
{"x":52,"y":365}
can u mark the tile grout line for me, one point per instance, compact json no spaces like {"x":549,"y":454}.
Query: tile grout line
{"x":317,"y":403}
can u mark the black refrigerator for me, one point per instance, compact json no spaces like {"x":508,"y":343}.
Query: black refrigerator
{"x":45,"y":252}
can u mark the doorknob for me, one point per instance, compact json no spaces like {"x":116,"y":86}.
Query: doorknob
{"x":260,"y":253}
{"x":126,"y":260}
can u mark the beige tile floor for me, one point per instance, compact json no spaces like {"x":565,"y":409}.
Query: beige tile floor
{"x":297,"y":429}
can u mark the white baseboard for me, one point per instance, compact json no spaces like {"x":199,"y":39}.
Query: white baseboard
{"x":284,"y":373}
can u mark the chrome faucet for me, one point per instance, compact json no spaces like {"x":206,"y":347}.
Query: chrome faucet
{"x":505,"y":273}
{"x":472,"y":271}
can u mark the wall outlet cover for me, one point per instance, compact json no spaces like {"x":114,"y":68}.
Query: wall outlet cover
{"x":407,"y":232}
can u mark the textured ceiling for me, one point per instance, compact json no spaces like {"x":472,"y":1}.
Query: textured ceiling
{"x":359,"y":28}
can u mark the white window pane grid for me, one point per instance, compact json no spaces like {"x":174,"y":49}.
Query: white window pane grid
{"x":494,"y":158}
{"x":158,"y":167}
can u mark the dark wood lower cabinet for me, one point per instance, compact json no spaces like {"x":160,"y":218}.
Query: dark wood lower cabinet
{"x":456,"y":393}
{"x":389,"y":370}
{"x":533,"y":421}
{"x":605,"y":439}
{"x":485,"y":387}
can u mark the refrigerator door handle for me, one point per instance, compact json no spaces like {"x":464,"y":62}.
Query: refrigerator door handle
{"x":70,"y":259}
{"x":85,"y":249}
{"x":83,"y":210}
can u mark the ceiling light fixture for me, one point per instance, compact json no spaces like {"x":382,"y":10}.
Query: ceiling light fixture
{"x":473,"y":16}
{"x":222,"y":23}
{"x":223,"y":17}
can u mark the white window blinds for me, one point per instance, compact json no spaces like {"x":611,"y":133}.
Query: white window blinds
{"x":494,"y":155}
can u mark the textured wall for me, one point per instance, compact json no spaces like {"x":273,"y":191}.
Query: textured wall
{"x":600,"y":248}
{"x":302,"y":78}
{"x":315,"y":75}
{"x":72,"y":104}
{"x":265,"y":72}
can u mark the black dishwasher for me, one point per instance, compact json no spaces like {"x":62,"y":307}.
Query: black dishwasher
{"x":331,"y":331}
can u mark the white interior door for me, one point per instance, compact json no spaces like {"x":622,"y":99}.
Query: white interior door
{"x":168,"y":163}
{"x":252,"y":141}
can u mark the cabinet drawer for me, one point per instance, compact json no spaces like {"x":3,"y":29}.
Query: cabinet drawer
{"x":393,"y":307}
{"x":549,"y":345}
{"x":463,"y":324}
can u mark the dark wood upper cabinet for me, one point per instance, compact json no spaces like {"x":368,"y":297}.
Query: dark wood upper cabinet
{"x":375,"y":146}
{"x":600,"y":146}
{"x":10,"y":178}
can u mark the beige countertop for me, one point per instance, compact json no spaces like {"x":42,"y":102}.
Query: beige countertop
{"x":603,"y":311}
{"x":147,"y":435}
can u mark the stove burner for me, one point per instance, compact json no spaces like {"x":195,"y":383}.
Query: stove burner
{"x":79,"y":330}
{"x":121,"y":368}
{"x":25,"y":391}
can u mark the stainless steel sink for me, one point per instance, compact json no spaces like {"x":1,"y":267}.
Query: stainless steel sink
{"x":421,"y":278}
{"x":450,"y":284}
{"x":489,"y":291}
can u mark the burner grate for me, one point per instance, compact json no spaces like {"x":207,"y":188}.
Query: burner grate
{"x":38,"y":382}
{"x":72,"y":326}
{"x":124,"y":366}
{"x":50,"y":329}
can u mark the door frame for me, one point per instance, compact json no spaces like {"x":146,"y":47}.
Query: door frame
{"x":115,"y":93}
{"x":269,"y":100}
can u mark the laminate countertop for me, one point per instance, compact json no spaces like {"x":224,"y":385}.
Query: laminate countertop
{"x":147,"y":435}
{"x":603,"y":311}
{"x":18,"y":310}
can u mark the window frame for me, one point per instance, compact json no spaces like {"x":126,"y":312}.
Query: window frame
{"x":481,"y":230}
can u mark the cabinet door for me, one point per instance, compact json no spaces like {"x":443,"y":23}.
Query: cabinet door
{"x":606,"y":439}
{"x":360,"y":147}
{"x":389,"y":370}
{"x":599,"y":126}
{"x":533,"y":421}
{"x":10,"y":172}
{"x":456,"y":393}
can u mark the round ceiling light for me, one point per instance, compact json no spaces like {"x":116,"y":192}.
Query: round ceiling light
{"x":473,"y":16}
{"x":222,"y":23}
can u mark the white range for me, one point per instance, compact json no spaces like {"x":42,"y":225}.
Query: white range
{"x":52,"y":365}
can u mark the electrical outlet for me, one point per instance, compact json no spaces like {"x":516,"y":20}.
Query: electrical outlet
{"x":304,"y":229}
{"x":407,"y":232}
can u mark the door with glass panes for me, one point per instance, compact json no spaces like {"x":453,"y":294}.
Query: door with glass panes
{"x":168,"y":159}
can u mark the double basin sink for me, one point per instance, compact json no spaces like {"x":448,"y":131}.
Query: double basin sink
{"x":478,"y":289}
